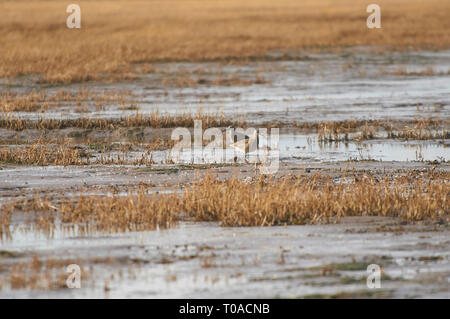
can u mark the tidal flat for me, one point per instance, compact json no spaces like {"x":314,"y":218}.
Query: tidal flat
{"x":74,"y":156}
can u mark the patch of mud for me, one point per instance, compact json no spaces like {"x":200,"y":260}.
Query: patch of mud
{"x":319,"y":87}
{"x":16,"y":181}
{"x":204,"y":260}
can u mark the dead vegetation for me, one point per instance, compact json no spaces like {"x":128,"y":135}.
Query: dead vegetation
{"x":123,"y":158}
{"x":119,"y":214}
{"x":262,"y":202}
{"x":429,"y":71}
{"x":417,"y":129}
{"x":421,"y":130}
{"x":43,"y":154}
{"x":45,"y":150}
{"x":332,"y":131}
{"x":314,"y":200}
{"x":89,"y":214}
{"x":43,"y":100}
{"x":109,"y":147}
{"x":137,"y":143}
{"x":31,"y":102}
{"x":115,"y":37}
{"x":39,"y":274}
{"x":5,"y":221}
{"x":230,"y":80}
{"x":340,"y":132}
{"x":182,"y":76}
{"x":155,"y":120}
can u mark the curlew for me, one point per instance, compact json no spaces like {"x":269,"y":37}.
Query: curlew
{"x":243,"y":142}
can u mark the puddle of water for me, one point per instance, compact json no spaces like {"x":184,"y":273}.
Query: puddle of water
{"x":293,"y":147}
{"x":303,"y":147}
{"x":245,"y":262}
{"x":324,"y":87}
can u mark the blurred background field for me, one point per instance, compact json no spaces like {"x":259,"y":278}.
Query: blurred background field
{"x":116,"y":34}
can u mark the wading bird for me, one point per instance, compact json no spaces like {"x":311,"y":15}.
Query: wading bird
{"x":242,"y":142}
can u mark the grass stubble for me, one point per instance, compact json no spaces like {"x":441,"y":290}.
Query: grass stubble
{"x":234,"y":202}
{"x":48,"y":274}
{"x":43,"y":153}
{"x":43,"y":100}
{"x":67,"y":151}
{"x":63,"y":153}
{"x":331,"y":131}
{"x":354,"y":130}
{"x":155,"y":120}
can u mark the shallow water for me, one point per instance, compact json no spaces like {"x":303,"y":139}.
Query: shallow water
{"x":300,"y":147}
{"x":245,"y":262}
{"x":206,"y":260}
{"x":306,"y":148}
{"x":320,"y":87}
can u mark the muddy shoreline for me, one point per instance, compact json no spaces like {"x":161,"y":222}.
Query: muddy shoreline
{"x":204,"y":259}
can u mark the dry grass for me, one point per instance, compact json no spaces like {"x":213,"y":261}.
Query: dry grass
{"x":340,"y":132}
{"x":312,"y":200}
{"x":50,"y":273}
{"x":43,"y":100}
{"x":43,"y":154}
{"x":421,"y":130}
{"x":42,"y":217}
{"x":32,"y":276}
{"x":346,"y":126}
{"x":119,"y":214}
{"x":263,"y":202}
{"x":5,"y":221}
{"x":117,"y":34}
{"x":90,"y":214}
{"x":24,"y":102}
{"x":155,"y":120}
{"x":417,"y":129}
{"x":49,"y":151}
{"x":158,"y":143}
{"x":429,"y":71}
{"x":42,"y":274}
{"x":123,"y":158}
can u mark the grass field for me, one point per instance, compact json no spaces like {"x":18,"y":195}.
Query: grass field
{"x":115,"y":35}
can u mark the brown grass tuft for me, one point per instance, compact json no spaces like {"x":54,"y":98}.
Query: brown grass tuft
{"x":263,"y":202}
{"x":43,"y":154}
{"x":5,"y":222}
{"x":155,"y":120}
{"x":43,"y":100}
{"x":48,"y":274}
{"x":417,"y":129}
{"x":422,"y":130}
{"x":120,"y":213}
{"x":312,"y":200}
